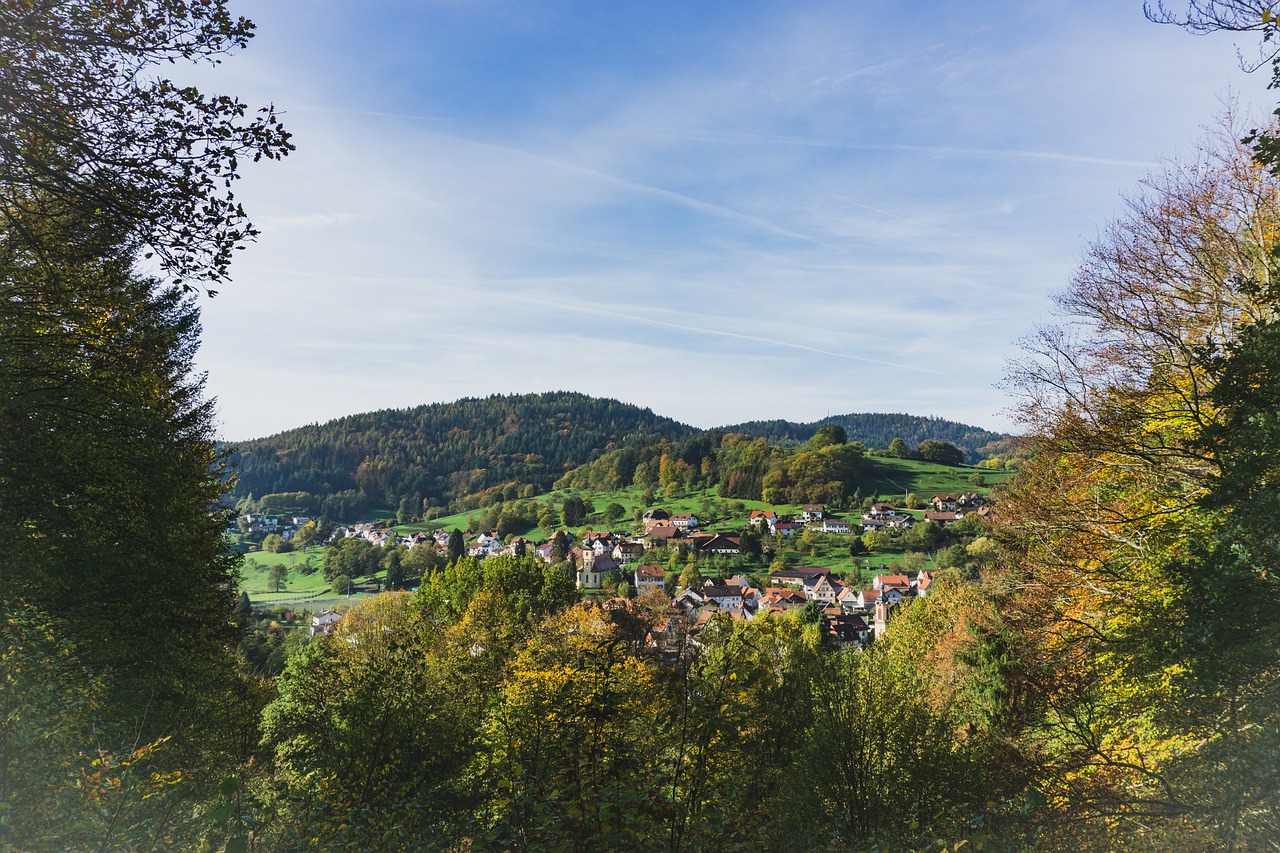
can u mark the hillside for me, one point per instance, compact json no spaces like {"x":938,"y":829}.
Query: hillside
{"x":877,"y":430}
{"x":442,"y":451}
{"x":451,"y":454}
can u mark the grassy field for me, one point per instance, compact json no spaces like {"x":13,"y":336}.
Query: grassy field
{"x":257,"y":564}
{"x":891,"y":478}
{"x":888,"y":479}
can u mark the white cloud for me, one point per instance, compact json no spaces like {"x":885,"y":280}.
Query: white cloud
{"x":867,"y":202}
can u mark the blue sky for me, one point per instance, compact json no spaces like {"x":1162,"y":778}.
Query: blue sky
{"x":721,"y":211}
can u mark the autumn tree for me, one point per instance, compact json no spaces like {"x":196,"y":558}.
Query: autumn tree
{"x":369,"y":730}
{"x":1151,"y":605}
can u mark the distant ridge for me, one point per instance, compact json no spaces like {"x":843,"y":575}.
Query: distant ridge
{"x":443,"y":452}
{"x":877,"y":430}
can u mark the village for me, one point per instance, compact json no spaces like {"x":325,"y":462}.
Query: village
{"x":617,"y":569}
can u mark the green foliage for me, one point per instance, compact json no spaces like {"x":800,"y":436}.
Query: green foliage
{"x":353,"y":557}
{"x":92,"y":131}
{"x":443,"y":451}
{"x":1141,"y":529}
{"x":892,"y":743}
{"x":370,"y":729}
{"x":107,"y":441}
{"x":613,"y":513}
{"x":898,"y":449}
{"x":309,"y":534}
{"x":457,"y":548}
{"x":876,"y":430}
{"x":941,"y":452}
{"x":574,"y":512}
{"x":276,"y":577}
{"x":285,"y":502}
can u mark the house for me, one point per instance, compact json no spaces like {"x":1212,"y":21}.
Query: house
{"x":322,"y":623}
{"x":847,"y":598}
{"x":835,"y":525}
{"x":648,"y":576}
{"x":600,"y":541}
{"x":657,"y":515}
{"x":881,"y":510}
{"x":787,"y":528}
{"x":762,"y":516}
{"x":627,"y":553}
{"x":902,"y":520}
{"x":866,"y":599}
{"x":887,"y":582}
{"x":924,"y":580}
{"x":942,"y":519}
{"x":782,"y":598}
{"x":724,"y":595}
{"x":822,"y":588}
{"x":796,"y":577}
{"x":844,"y":630}
{"x":720,"y":544}
{"x":660,"y":535}
{"x":684,"y":520}
{"x":669,"y":632}
{"x":813,"y":512}
{"x":486,"y":545}
{"x":519,"y":545}
{"x":870,"y":524}
{"x":944,"y":503}
{"x":688,"y":600}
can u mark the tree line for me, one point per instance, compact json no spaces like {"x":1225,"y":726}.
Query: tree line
{"x":444,"y":451}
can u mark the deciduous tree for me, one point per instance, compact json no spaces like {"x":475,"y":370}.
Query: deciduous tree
{"x":88,"y":126}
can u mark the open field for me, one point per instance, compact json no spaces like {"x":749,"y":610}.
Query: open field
{"x":888,"y":479}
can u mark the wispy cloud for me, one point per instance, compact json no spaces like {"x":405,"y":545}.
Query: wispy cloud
{"x":306,"y":221}
{"x":632,"y":317}
{"x":847,"y":194}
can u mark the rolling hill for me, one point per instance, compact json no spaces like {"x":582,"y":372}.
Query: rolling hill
{"x":444,"y":452}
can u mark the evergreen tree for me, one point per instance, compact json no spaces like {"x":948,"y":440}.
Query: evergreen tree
{"x":110,"y":484}
{"x":457,"y":547}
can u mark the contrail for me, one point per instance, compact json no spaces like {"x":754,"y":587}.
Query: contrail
{"x":720,"y":332}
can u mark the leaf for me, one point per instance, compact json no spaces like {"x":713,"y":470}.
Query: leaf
{"x":219,"y":814}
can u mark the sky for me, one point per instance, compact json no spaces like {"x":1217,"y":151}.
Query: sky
{"x":722,"y":211}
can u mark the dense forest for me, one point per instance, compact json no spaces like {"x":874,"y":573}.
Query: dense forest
{"x":878,"y":430}
{"x":453,"y":454}
{"x":1106,"y":678}
{"x":825,"y":469}
{"x":443,"y":451}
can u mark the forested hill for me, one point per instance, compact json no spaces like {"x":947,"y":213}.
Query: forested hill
{"x":442,"y":451}
{"x":877,"y":430}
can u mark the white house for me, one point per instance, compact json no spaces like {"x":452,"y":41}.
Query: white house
{"x":649,"y":576}
{"x":813,"y":512}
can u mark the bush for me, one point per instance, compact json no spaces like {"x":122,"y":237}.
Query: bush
{"x":341,"y":585}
